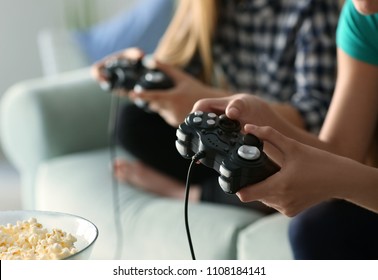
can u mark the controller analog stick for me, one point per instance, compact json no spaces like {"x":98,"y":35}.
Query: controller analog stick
{"x":252,"y":140}
{"x":228,"y":125}
{"x":248,"y":152}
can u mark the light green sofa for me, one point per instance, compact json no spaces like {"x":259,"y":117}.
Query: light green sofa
{"x":54,"y":131}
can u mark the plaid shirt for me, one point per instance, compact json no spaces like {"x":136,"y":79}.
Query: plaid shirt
{"x":280,"y":50}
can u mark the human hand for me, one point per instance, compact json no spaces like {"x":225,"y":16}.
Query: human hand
{"x":175,"y":104}
{"x":308,"y":175}
{"x":246,"y":108}
{"x":98,"y":67}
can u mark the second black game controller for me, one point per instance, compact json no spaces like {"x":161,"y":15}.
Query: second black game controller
{"x":133,"y":75}
{"x":238,"y":158}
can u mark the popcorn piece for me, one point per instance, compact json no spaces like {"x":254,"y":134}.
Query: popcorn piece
{"x":28,"y":240}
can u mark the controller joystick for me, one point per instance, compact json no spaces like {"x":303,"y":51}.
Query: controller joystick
{"x":238,"y":158}
{"x":132,"y":74}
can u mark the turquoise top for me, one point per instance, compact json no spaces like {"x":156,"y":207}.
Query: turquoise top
{"x":357,"y":34}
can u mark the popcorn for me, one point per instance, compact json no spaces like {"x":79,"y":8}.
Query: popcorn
{"x":28,"y":240}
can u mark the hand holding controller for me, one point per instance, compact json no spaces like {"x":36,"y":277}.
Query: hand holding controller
{"x":132,"y":74}
{"x":239,"y":159}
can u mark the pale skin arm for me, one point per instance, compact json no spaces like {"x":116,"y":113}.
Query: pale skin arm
{"x":309,"y":176}
{"x":352,"y":117}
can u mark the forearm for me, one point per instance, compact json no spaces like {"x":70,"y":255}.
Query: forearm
{"x":289,"y":113}
{"x":360,"y":186}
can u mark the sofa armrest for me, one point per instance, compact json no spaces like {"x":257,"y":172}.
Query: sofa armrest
{"x":47,"y":117}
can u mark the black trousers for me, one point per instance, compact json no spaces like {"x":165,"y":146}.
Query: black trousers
{"x":150,"y":139}
{"x":335,"y":230}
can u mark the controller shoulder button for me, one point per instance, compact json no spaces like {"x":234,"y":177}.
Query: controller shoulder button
{"x":226,"y":186}
{"x":225,"y":172}
{"x":181,"y":135}
{"x":182,"y":149}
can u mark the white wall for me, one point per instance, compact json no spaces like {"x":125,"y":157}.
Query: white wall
{"x":20,"y":21}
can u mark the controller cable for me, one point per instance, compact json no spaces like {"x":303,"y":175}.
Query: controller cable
{"x":195,"y":158}
{"x":112,"y":132}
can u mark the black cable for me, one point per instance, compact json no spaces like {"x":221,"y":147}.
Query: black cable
{"x":195,"y":158}
{"x":112,"y":132}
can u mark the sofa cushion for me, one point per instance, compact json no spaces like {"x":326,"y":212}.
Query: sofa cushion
{"x":266,"y":239}
{"x":153,"y":227}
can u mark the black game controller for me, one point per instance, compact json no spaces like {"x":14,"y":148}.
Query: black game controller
{"x":132,"y":74}
{"x":238,"y":158}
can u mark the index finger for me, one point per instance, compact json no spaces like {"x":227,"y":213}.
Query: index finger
{"x":269,"y":134}
{"x":215,"y":105}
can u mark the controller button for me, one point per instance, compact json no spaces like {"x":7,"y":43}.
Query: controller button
{"x":138,"y":88}
{"x":225,"y":172}
{"x":248,"y":152}
{"x":198,"y":113}
{"x":181,"y":135}
{"x":155,"y":77}
{"x":212,"y":115}
{"x":197,"y":120}
{"x":211,"y":122}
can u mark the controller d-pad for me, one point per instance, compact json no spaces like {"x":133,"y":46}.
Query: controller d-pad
{"x":249,"y":152}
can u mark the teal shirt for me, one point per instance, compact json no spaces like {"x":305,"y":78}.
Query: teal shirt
{"x":357,"y":34}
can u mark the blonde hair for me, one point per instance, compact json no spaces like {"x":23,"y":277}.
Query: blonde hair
{"x":190,"y":33}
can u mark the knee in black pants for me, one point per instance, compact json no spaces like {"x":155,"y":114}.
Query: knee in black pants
{"x":151,"y":140}
{"x":334,"y":230}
